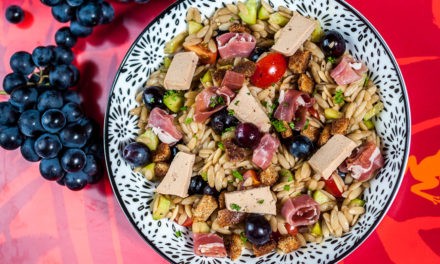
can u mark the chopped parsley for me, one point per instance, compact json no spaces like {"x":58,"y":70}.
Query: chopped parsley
{"x":237,"y":175}
{"x":188,"y":120}
{"x":264,"y":104}
{"x":237,"y":102}
{"x":216,"y":100}
{"x":287,"y":187}
{"x":272,"y":108}
{"x":204,"y":175}
{"x":232,"y":19}
{"x":170,"y":93}
{"x":260,"y":201}
{"x":279,"y":126}
{"x":306,"y":125}
{"x":184,"y":108}
{"x":235,"y":207}
{"x":228,"y":129}
{"x":338,"y":98}
{"x":221,"y":146}
{"x":231,"y":112}
{"x":292,"y":125}
{"x":178,"y":233}
{"x":331,"y":59}
{"x":243,"y":237}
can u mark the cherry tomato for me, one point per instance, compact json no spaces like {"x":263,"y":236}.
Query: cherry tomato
{"x":292,"y":230}
{"x":252,"y":174}
{"x":269,"y":70}
{"x":188,"y":222}
{"x":332,"y":187}
{"x":205,"y":55}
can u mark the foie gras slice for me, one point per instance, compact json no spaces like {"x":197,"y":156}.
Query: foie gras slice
{"x":257,"y":200}
{"x":178,"y":177}
{"x":328,"y":158}
{"x":248,"y":109}
{"x":294,"y":34}
{"x":181,"y":71}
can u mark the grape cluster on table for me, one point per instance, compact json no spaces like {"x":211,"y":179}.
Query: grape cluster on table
{"x":43,"y":116}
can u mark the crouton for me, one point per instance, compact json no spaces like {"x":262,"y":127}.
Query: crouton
{"x":311,"y":132}
{"x":234,"y":246}
{"x":162,"y":153}
{"x":234,"y":152}
{"x":221,"y":200}
{"x":325,"y":135}
{"x":239,"y":28}
{"x":228,"y":218}
{"x":288,"y":132}
{"x":299,"y":61}
{"x":305,"y":83}
{"x":225,"y":62}
{"x":288,"y":244}
{"x":264,"y":249}
{"x":204,"y":208}
{"x":340,"y":126}
{"x":161,"y":169}
{"x":217,"y":76}
{"x":269,"y":176}
{"x":245,"y":67}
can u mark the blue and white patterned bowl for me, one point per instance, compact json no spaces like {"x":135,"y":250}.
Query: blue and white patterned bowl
{"x":135,"y":194}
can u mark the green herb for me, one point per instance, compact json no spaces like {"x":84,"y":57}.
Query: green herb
{"x":243,"y":237}
{"x":237,"y":175}
{"x":184,"y":108}
{"x":216,"y":100}
{"x":306,"y":125}
{"x":260,"y":201}
{"x":367,"y":79}
{"x":232,"y":19}
{"x":286,"y":173}
{"x":178,"y":233}
{"x":287,"y":187}
{"x":331,"y":59}
{"x":235,"y":207}
{"x":292,"y":125}
{"x":204,"y":175}
{"x":230,"y":181}
{"x":231,"y":112}
{"x":237,"y":102}
{"x":264,"y":104}
{"x":339,"y":97}
{"x":229,"y":129}
{"x":221,"y":146}
{"x":188,"y":120}
{"x":170,"y":93}
{"x":279,"y":126}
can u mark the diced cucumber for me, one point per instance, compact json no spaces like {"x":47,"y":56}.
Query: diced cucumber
{"x":166,"y":62}
{"x":148,"y":171}
{"x":173,"y":100}
{"x":369,"y":124}
{"x":263,"y":14}
{"x":331,"y":113}
{"x":194,"y":27}
{"x":207,"y":77}
{"x":357,"y":202}
{"x":250,"y":16}
{"x":316,"y":229}
{"x":149,"y":139}
{"x":318,"y":33}
{"x":200,"y":227}
{"x":277,"y":18}
{"x":172,"y":45}
{"x":286,"y":174}
{"x":228,"y":134}
{"x":377,"y":108}
{"x":162,"y":208}
{"x":320,"y":197}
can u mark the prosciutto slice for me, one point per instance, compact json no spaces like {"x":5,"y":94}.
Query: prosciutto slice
{"x":263,"y":154}
{"x":348,"y":71}
{"x":162,"y":125}
{"x":363,"y":162}
{"x":209,"y":245}
{"x":300,"y":211}
{"x":233,"y":80}
{"x":233,"y":45}
{"x":203,"y":110}
{"x":293,"y":105}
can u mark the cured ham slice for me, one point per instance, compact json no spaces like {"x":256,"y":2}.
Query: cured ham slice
{"x":348,"y":71}
{"x":262,"y":156}
{"x":293,"y":105}
{"x":364,"y":162}
{"x":162,"y":125}
{"x":209,"y":245}
{"x":300,"y":211}
{"x":233,"y":80}
{"x":208,"y":102}
{"x":233,"y":45}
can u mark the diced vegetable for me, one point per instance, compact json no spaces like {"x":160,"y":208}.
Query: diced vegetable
{"x":149,"y":139}
{"x":194,"y":27}
{"x":286,"y":174}
{"x":148,"y":171}
{"x":318,"y":33}
{"x":188,"y":222}
{"x":369,"y":124}
{"x":291,"y":230}
{"x":320,"y":197}
{"x":162,"y":208}
{"x":250,"y":16}
{"x":207,"y":77}
{"x":229,"y":133}
{"x":252,"y":174}
{"x":205,"y":55}
{"x":374,"y":111}
{"x":166,"y":62}
{"x":172,"y":45}
{"x":263,"y":14}
{"x":334,"y":185}
{"x":357,"y":202}
{"x":173,"y":100}
{"x":278,"y":19}
{"x":331,"y":113}
{"x":316,"y":229}
{"x":200,"y":227}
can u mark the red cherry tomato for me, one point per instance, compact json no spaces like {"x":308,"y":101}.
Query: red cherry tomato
{"x":188,"y":222}
{"x":332,"y":187}
{"x":252,"y":174}
{"x":269,"y":70}
{"x":292,"y":230}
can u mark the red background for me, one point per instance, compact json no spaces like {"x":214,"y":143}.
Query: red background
{"x":42,"y":222}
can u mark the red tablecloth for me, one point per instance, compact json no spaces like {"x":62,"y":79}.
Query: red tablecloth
{"x":42,"y":222}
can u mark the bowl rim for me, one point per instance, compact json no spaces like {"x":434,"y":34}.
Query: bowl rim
{"x":400,"y":175}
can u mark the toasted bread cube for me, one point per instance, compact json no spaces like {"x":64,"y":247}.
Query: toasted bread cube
{"x":311,"y":132}
{"x":264,"y":249}
{"x":299,"y":61}
{"x":234,"y":246}
{"x":162,"y":153}
{"x":288,"y":132}
{"x":325,"y":135}
{"x":205,"y":208}
{"x":305,"y":83}
{"x":340,"y":126}
{"x":221,"y":200}
{"x":228,"y":218}
{"x":245,"y":67}
{"x":288,"y":244}
{"x":269,"y":176}
{"x":239,"y":28}
{"x":161,"y":169}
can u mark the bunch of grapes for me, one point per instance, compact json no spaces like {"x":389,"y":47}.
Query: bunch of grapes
{"x":43,"y":116}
